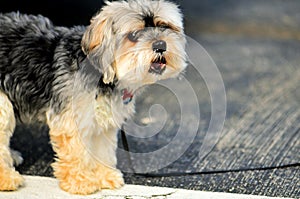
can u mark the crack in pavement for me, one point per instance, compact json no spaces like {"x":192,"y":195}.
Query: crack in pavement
{"x":154,"y":196}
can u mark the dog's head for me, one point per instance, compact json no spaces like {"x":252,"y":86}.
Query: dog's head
{"x":137,"y":42}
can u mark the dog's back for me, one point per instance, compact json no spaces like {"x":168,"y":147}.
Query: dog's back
{"x":33,"y":53}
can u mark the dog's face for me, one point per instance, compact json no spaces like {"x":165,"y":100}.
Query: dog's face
{"x":137,"y":42}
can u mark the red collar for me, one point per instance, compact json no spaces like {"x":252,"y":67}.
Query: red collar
{"x":126,"y":96}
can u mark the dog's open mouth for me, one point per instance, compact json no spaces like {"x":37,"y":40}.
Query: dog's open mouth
{"x":158,"y":66}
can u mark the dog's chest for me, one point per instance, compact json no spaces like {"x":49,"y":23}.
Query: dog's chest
{"x":111,"y":112}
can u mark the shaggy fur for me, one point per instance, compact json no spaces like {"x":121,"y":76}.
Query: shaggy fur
{"x":82,"y":82}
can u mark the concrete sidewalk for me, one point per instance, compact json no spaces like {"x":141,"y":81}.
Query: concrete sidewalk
{"x":44,"y":187}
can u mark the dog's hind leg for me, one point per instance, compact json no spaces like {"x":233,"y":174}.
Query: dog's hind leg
{"x":10,"y":179}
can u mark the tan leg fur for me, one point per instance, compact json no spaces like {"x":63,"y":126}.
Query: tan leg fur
{"x":10,"y":179}
{"x":75,"y":167}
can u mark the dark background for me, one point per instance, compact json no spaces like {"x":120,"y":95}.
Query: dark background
{"x":62,"y":13}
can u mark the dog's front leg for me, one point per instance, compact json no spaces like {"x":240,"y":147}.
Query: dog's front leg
{"x":77,"y":168}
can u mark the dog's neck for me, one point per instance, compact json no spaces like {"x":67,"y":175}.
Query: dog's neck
{"x":104,"y":89}
{"x":111,"y":88}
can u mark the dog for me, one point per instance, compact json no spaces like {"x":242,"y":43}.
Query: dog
{"x":130,"y":44}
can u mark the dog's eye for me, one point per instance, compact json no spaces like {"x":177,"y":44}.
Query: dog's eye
{"x":163,"y":26}
{"x":133,"y":36}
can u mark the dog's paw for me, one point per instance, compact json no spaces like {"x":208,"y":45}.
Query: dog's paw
{"x":113,"y":179}
{"x":77,"y":185}
{"x":10,"y":181}
{"x":83,"y":185}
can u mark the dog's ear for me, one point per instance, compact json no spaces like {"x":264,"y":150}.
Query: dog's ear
{"x":98,"y":44}
{"x":95,"y":33}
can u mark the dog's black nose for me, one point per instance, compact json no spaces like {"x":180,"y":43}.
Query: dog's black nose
{"x":159,"y":46}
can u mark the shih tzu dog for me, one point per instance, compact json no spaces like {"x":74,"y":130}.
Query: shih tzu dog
{"x":129,"y":44}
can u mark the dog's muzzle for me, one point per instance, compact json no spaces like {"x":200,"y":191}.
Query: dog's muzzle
{"x":158,"y":65}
